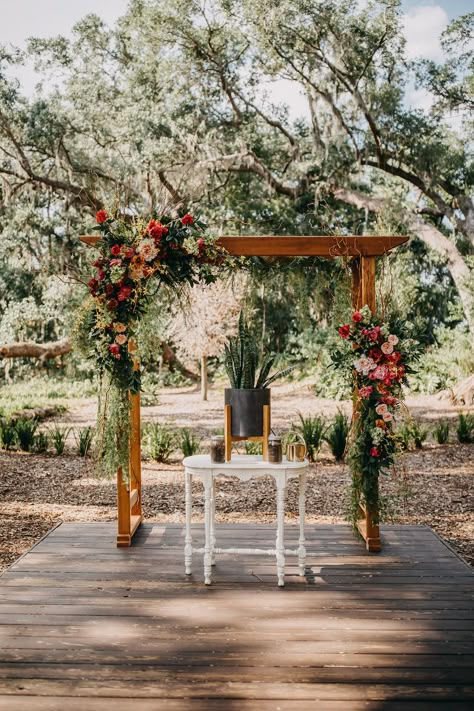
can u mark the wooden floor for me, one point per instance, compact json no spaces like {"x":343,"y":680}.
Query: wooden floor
{"x":85,"y":626}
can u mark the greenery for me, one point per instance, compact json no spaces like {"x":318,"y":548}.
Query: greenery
{"x":441,"y":432}
{"x":419,"y":434}
{"x":25,"y":433}
{"x":160,"y":441}
{"x":242,"y":361}
{"x":41,"y":442}
{"x":84,"y":438}
{"x":465,"y":428}
{"x":312,"y":429}
{"x":8,"y":434}
{"x":336,"y":435}
{"x":58,"y":435}
{"x":190,"y":443}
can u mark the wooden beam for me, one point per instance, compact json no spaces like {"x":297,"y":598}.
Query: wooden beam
{"x":311,"y":246}
{"x":297,"y":246}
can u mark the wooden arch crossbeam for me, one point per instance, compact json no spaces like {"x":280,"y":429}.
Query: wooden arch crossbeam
{"x":362,"y":251}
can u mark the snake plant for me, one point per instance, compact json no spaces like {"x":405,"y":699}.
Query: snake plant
{"x":241,"y":361}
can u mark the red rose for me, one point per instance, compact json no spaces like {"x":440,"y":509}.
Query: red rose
{"x":389,"y":400}
{"x":376,"y":354}
{"x":394,"y":357}
{"x":356,"y":316}
{"x":187,"y":219}
{"x":115,"y":250}
{"x":100,"y":275}
{"x":129,"y":252}
{"x":109,"y":289}
{"x":98,"y":263}
{"x":374,"y":334}
{"x":101,"y":216}
{"x":374,"y":452}
{"x":93,"y":284}
{"x":112,"y":304}
{"x":157,"y":231}
{"x":344,"y":331}
{"x":113,"y":348}
{"x":124,"y":293}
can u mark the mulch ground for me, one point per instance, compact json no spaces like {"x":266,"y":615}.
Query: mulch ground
{"x":434,"y":486}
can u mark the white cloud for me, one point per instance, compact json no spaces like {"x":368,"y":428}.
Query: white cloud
{"x":423,"y":26}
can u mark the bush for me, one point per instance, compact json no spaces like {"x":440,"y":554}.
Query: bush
{"x":160,"y":441}
{"x":190,"y":443}
{"x":84,"y":439}
{"x":404,"y":436}
{"x":419,"y":434}
{"x":337,"y":434}
{"x":465,"y":429}
{"x":441,"y":432}
{"x":40,"y":443}
{"x":8,"y":436}
{"x":58,"y":436}
{"x":25,"y":433}
{"x":312,"y":429}
{"x":253,"y":448}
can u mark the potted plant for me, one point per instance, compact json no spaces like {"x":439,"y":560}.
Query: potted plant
{"x":250,"y":378}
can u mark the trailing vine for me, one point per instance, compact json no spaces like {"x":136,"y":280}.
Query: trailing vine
{"x":379,"y":357}
{"x":135,"y":258}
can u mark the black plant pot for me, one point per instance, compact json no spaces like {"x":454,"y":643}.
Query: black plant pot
{"x":247,"y":410}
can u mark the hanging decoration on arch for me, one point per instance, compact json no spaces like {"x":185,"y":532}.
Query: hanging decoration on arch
{"x":379,"y":357}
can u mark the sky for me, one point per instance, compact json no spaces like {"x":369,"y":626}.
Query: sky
{"x":19,"y":19}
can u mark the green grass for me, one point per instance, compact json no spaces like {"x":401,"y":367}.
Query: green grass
{"x":43,"y":392}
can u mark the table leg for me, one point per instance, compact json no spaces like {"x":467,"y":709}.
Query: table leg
{"x":280,"y":537}
{"x":188,"y":540}
{"x":301,"y":511}
{"x":207,"y":526}
{"x":213,"y":522}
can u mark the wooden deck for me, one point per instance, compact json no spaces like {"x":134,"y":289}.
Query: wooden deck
{"x":85,"y":626}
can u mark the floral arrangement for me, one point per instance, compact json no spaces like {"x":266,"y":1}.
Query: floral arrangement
{"x":135,"y":258}
{"x":379,"y":358}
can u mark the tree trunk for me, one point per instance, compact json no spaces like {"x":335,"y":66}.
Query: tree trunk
{"x":29,"y":349}
{"x":431,"y":236}
{"x":204,"y":377}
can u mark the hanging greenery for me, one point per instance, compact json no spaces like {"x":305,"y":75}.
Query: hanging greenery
{"x":136,"y":256}
{"x":379,"y":357}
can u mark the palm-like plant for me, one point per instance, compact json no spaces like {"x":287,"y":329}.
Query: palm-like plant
{"x":241,"y":361}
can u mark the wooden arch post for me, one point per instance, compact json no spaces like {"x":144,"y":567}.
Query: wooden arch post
{"x":361,"y":251}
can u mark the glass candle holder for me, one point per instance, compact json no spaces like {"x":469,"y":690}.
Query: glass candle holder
{"x":217,"y":449}
{"x":275,"y":450}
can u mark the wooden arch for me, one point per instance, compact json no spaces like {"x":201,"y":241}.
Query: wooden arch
{"x":362,"y":252}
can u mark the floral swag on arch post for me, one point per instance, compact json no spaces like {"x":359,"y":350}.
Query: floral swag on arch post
{"x":136,"y":258}
{"x":379,"y":357}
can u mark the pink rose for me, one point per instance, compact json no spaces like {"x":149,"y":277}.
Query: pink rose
{"x":366,"y":391}
{"x":120,"y":338}
{"x":387,"y":348}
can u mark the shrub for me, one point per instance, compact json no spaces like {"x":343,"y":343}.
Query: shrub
{"x":160,"y":441}
{"x":40,"y":443}
{"x":419,"y":434}
{"x":404,"y":436}
{"x":465,"y":428}
{"x":312,"y":429}
{"x":441,"y":432}
{"x":25,"y":432}
{"x":253,"y":448}
{"x":58,"y":437}
{"x":84,"y":439}
{"x":336,"y":435}
{"x":8,"y":436}
{"x":190,"y":443}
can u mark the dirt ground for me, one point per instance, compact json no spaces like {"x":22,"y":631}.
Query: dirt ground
{"x":434,"y":486}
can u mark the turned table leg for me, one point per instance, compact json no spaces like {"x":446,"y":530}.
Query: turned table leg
{"x":188,"y":540}
{"x":301,"y":511}
{"x":213,"y":522}
{"x":280,"y":537}
{"x":207,"y":526}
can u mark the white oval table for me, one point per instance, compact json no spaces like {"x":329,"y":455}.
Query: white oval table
{"x":244,"y":468}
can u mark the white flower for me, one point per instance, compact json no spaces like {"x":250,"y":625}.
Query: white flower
{"x":365,"y":365}
{"x":381,"y":409}
{"x":392,"y":339}
{"x":377,"y":435}
{"x":147,"y":249}
{"x":386,"y":348}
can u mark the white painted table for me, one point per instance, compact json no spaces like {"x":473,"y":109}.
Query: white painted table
{"x":244,"y":468}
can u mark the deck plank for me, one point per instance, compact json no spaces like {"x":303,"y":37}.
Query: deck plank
{"x":84,"y":625}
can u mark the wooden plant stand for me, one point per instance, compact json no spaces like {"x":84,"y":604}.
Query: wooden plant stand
{"x":229,"y":440}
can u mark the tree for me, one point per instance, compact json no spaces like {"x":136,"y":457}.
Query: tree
{"x":203,"y":325}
